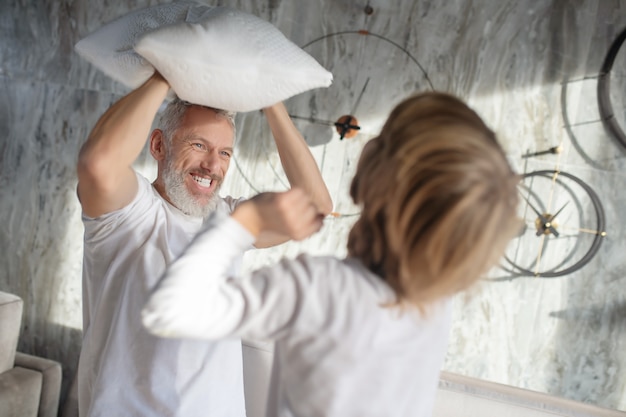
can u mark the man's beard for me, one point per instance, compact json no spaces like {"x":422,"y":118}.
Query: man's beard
{"x":174,"y":182}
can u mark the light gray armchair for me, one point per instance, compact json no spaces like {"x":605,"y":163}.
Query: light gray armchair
{"x":30,"y":386}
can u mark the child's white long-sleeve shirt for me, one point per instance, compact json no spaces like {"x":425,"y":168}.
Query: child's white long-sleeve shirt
{"x":338,"y":351}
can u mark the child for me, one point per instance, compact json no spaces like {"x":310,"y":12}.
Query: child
{"x":365,"y":335}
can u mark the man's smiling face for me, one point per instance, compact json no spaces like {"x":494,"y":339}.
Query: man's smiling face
{"x":197,"y":160}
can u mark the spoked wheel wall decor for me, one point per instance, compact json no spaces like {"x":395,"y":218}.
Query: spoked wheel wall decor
{"x":605,"y":105}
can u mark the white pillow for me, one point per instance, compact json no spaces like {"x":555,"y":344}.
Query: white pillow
{"x":229,"y":59}
{"x":215,"y":56}
{"x":111,"y":47}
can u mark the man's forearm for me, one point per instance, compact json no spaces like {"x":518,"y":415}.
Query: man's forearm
{"x":298,"y":162}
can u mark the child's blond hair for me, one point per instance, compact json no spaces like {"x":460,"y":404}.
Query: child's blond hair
{"x":438,"y":200}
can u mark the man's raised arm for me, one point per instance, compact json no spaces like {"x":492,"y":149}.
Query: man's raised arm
{"x":299,"y":165}
{"x":106,"y":181}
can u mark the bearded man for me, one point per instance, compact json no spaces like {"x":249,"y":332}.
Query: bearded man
{"x":134,"y":229}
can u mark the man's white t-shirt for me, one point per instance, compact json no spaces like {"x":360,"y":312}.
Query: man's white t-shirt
{"x":124,"y":370}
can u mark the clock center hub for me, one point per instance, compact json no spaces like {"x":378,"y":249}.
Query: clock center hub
{"x":347,"y":126}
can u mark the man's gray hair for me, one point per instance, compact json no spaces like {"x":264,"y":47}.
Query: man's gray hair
{"x":174,"y":112}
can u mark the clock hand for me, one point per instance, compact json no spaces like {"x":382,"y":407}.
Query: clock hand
{"x":358,"y":100}
{"x":545,"y":223}
{"x":347,"y":124}
{"x":550,"y":224}
{"x":313,"y":120}
{"x":537,"y":212}
{"x":560,"y":210}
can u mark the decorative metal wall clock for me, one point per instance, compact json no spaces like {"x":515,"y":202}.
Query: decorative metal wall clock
{"x":371,"y":74}
{"x":564,"y":225}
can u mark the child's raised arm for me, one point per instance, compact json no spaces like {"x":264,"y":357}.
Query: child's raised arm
{"x":196,"y":296}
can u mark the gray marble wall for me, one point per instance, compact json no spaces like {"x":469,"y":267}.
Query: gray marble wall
{"x":528,"y":67}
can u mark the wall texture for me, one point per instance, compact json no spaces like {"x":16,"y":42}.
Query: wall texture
{"x":528,"y":67}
